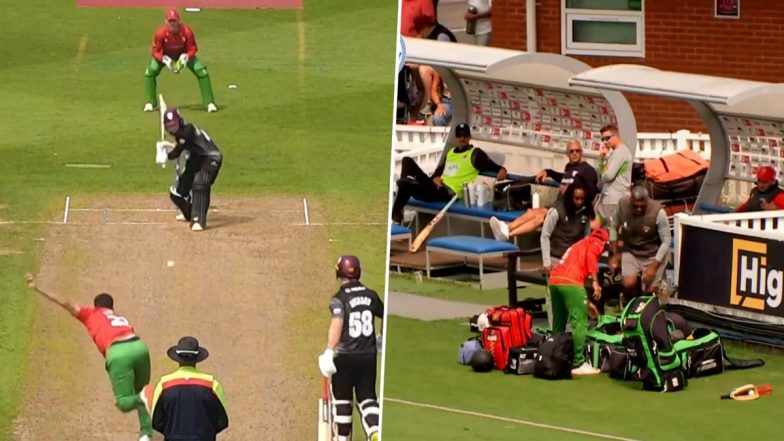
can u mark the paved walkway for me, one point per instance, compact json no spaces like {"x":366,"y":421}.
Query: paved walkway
{"x":428,"y":308}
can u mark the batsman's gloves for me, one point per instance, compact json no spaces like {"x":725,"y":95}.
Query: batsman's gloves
{"x":167,"y":61}
{"x":327,"y":362}
{"x":162,"y":150}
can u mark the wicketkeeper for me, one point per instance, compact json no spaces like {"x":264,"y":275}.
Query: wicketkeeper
{"x":350,"y":357}
{"x":174,"y":46}
{"x":191,"y":193}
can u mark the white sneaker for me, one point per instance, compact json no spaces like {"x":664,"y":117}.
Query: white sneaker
{"x":586,"y":369}
{"x":500,"y":229}
{"x":181,"y":217}
{"x":148,"y":107}
{"x":211,"y":107}
{"x":196,"y":227}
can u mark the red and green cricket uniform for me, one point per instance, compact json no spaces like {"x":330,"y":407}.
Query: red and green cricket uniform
{"x":173,"y":45}
{"x":127,"y":359}
{"x":567,"y":289}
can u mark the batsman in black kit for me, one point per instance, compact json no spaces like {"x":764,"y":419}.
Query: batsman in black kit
{"x":350,"y":357}
{"x":192,"y":192}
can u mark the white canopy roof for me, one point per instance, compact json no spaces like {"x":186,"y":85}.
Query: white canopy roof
{"x":540,"y":69}
{"x":721,"y":91}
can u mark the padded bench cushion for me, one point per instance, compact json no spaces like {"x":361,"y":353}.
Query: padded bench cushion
{"x":485,"y":211}
{"x":399,"y":229}
{"x":471,"y":244}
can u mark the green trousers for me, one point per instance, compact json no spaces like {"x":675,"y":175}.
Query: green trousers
{"x":128,"y":365}
{"x":570,"y":303}
{"x":194,"y":65}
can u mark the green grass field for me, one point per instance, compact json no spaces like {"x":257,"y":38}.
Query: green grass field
{"x":311,"y":117}
{"x":421,"y":369}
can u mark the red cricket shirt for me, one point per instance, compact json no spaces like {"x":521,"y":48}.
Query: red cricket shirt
{"x":104,"y":326}
{"x":174,"y":45}
{"x":578,"y":262}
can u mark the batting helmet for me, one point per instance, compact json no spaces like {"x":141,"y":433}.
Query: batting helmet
{"x":482,"y":361}
{"x":348,"y":268}
{"x":172,"y":120}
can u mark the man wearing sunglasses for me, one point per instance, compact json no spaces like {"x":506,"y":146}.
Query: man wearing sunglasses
{"x":766,"y":195}
{"x":459,"y":165}
{"x":615,"y":171}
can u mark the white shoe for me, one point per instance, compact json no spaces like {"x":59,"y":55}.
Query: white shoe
{"x":196,"y":227}
{"x":505,"y":230}
{"x":181,"y":217}
{"x":148,"y":107}
{"x":586,"y":369}
{"x":500,"y":229}
{"x":211,"y":107}
{"x":145,"y":438}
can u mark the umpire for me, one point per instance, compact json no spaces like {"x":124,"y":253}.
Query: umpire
{"x":188,"y":404}
{"x":350,"y":357}
{"x":191,"y":193}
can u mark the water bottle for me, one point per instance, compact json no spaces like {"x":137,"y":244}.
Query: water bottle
{"x":466,"y":195}
{"x":471,"y":24}
{"x":535,"y":200}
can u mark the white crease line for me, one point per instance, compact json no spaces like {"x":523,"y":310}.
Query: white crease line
{"x":162,"y":210}
{"x":80,"y":223}
{"x":324,"y":224}
{"x":509,"y":420}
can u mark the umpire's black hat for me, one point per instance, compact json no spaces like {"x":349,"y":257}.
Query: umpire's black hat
{"x":188,"y":350}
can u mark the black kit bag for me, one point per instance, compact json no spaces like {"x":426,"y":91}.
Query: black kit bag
{"x":522,"y":361}
{"x":511,"y":196}
{"x":555,"y":357}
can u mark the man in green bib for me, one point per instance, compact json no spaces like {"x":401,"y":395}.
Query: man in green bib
{"x":459,"y":165}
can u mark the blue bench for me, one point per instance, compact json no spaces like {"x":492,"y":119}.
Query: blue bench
{"x":710,"y":208}
{"x":469,"y":246}
{"x":400,"y":232}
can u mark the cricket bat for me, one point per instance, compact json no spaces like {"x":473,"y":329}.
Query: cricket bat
{"x":748,"y":392}
{"x":162,"y":109}
{"x":325,"y":412}
{"x":420,"y":239}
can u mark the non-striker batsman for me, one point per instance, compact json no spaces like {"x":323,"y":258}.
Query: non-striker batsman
{"x":350,"y":357}
{"x":174,"y":46}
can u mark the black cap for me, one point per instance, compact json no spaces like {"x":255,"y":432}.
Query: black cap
{"x":462,"y":129}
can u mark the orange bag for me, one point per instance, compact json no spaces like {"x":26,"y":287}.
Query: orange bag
{"x":681,"y":165}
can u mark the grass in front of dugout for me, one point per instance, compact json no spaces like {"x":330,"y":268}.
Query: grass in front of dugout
{"x":421,"y":366}
{"x":311,"y":117}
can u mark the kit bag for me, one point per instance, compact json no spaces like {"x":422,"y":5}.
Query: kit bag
{"x":497,"y":341}
{"x":646,"y":336}
{"x":467,"y":349}
{"x":521,"y":360}
{"x":517,"y":319}
{"x":554,"y":360}
{"x":511,"y":196}
{"x":675,"y":167}
{"x":703,"y":354}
